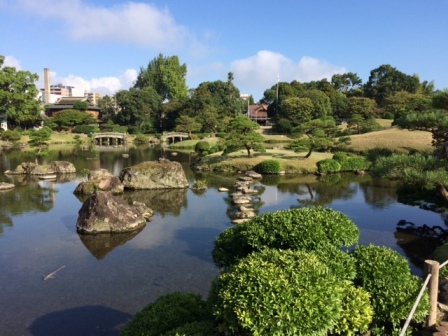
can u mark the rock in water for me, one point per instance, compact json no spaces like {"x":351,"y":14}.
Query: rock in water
{"x":100,"y":179}
{"x":162,"y":174}
{"x":104,"y":212}
{"x":55,"y":167}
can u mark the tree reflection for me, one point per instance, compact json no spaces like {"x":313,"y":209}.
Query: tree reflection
{"x":328,"y":188}
{"x":379,"y":193}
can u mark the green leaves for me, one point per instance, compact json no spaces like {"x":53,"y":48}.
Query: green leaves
{"x":305,"y":229}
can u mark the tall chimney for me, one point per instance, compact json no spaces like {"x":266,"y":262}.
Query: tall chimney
{"x":47,"y":85}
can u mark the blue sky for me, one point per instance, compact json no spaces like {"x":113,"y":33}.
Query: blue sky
{"x":101,"y":44}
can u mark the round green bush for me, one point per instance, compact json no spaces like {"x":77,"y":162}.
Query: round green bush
{"x":268,"y":167}
{"x":356,"y":312}
{"x":351,"y":162}
{"x":85,"y":129}
{"x":306,"y":229}
{"x":277,"y":292}
{"x":201,"y":146}
{"x":328,"y":166}
{"x":221,"y":135}
{"x":386,"y":275}
{"x":167,"y":313}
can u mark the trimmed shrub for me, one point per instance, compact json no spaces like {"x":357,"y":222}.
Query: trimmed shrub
{"x":11,"y":135}
{"x":386,"y":275}
{"x":140,"y":138}
{"x":85,"y":129}
{"x":201,"y":146}
{"x":221,"y":135}
{"x":169,"y":312}
{"x":351,"y":162}
{"x":268,"y":167}
{"x":277,"y":292}
{"x":328,"y":166}
{"x":357,"y":312}
{"x":305,"y":229}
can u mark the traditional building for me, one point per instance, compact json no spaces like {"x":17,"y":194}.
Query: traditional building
{"x":259,"y":113}
{"x":67,"y":103}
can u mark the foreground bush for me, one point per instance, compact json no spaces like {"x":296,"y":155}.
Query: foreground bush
{"x":386,"y":275}
{"x":168,"y":313}
{"x":278,"y":292}
{"x":328,"y":166}
{"x":305,"y":229}
{"x":268,"y":167}
{"x":351,"y":162}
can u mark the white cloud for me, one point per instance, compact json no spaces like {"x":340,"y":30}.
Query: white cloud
{"x":131,"y":22}
{"x":11,"y":61}
{"x":104,"y":85}
{"x":262,"y":70}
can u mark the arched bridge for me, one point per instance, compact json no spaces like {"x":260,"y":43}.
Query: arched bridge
{"x":173,"y":137}
{"x":110,"y":138}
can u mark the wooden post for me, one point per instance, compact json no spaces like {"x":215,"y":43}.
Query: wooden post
{"x":432,"y":267}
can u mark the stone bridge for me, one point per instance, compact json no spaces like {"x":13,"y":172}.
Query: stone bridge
{"x":172,"y":137}
{"x":110,"y":138}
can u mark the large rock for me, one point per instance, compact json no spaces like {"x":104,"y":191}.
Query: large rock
{"x":31,"y":168}
{"x":63,"y":167}
{"x":162,"y":174}
{"x":103,"y":212}
{"x":100,"y":179}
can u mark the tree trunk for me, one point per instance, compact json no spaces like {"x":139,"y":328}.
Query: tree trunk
{"x":309,"y":152}
{"x":248,"y":152}
{"x":443,"y":192}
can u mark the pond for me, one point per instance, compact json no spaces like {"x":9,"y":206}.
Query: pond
{"x":107,"y":279}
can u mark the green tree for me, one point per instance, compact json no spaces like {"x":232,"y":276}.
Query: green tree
{"x":67,"y":119}
{"x":166,"y":76}
{"x":10,"y":135}
{"x":434,"y":121}
{"x":346,"y":82}
{"x":386,"y":81}
{"x":108,"y":107}
{"x":18,"y":96}
{"x":242,"y":134}
{"x":40,"y":137}
{"x":81,"y":106}
{"x":187,"y":124}
{"x":339,"y":105}
{"x":138,"y":109}
{"x":361,"y":105}
{"x":425,"y":172}
{"x":297,"y":110}
{"x":403,"y":101}
{"x":440,"y":100}
{"x":321,"y":103}
{"x":316,"y":134}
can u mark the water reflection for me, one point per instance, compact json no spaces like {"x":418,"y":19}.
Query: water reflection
{"x":173,"y":251}
{"x":101,"y":244}
{"x":163,"y":201}
{"x":72,"y":322}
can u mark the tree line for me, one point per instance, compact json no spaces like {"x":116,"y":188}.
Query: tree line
{"x":160,"y":100}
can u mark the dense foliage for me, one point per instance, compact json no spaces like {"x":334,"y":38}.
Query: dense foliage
{"x":386,"y":275}
{"x":269,"y":167}
{"x":305,"y":229}
{"x":277,"y":292}
{"x":169,"y":312}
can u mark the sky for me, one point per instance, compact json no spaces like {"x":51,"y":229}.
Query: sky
{"x":101,"y":45}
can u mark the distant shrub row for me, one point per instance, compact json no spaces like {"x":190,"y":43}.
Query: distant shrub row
{"x":343,"y":162}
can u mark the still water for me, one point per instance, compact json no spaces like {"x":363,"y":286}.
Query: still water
{"x":108,"y":278}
